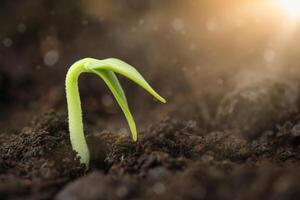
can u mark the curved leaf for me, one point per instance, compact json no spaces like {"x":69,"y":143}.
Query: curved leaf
{"x":120,"y":67}
{"x":105,"y":69}
{"x":113,"y":83}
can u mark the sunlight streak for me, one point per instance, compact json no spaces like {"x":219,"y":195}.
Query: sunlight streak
{"x":291,"y":7}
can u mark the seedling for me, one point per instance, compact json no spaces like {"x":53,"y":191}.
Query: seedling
{"x":106,"y":70}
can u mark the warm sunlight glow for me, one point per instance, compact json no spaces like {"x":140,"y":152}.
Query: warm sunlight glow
{"x":292,"y":7}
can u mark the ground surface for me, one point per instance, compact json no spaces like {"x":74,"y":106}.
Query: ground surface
{"x":180,"y":157}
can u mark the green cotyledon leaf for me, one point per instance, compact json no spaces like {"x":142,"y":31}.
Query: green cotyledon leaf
{"x":105,"y":69}
{"x":120,"y":67}
{"x":112,"y":82}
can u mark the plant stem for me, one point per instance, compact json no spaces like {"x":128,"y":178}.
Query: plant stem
{"x":75,"y":113}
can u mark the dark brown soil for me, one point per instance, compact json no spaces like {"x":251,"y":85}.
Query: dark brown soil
{"x":38,"y":161}
{"x":171,"y":160}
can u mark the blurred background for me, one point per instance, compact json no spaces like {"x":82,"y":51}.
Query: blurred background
{"x":215,"y":61}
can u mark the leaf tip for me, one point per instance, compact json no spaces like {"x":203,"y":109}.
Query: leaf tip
{"x":163,"y":100}
{"x":134,"y":137}
{"x":160,"y":98}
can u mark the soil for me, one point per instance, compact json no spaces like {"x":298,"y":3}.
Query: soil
{"x":173,"y":159}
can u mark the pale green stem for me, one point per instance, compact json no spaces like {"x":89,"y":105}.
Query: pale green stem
{"x":75,"y":113}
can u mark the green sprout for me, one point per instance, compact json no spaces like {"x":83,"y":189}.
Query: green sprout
{"x":106,"y":70}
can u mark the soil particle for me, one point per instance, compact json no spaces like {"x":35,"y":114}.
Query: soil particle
{"x":210,"y":182}
{"x":279,"y":145}
{"x":168,"y":144}
{"x":252,"y":109}
{"x":98,"y":186}
{"x":40,"y":153}
{"x":227,"y":145}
